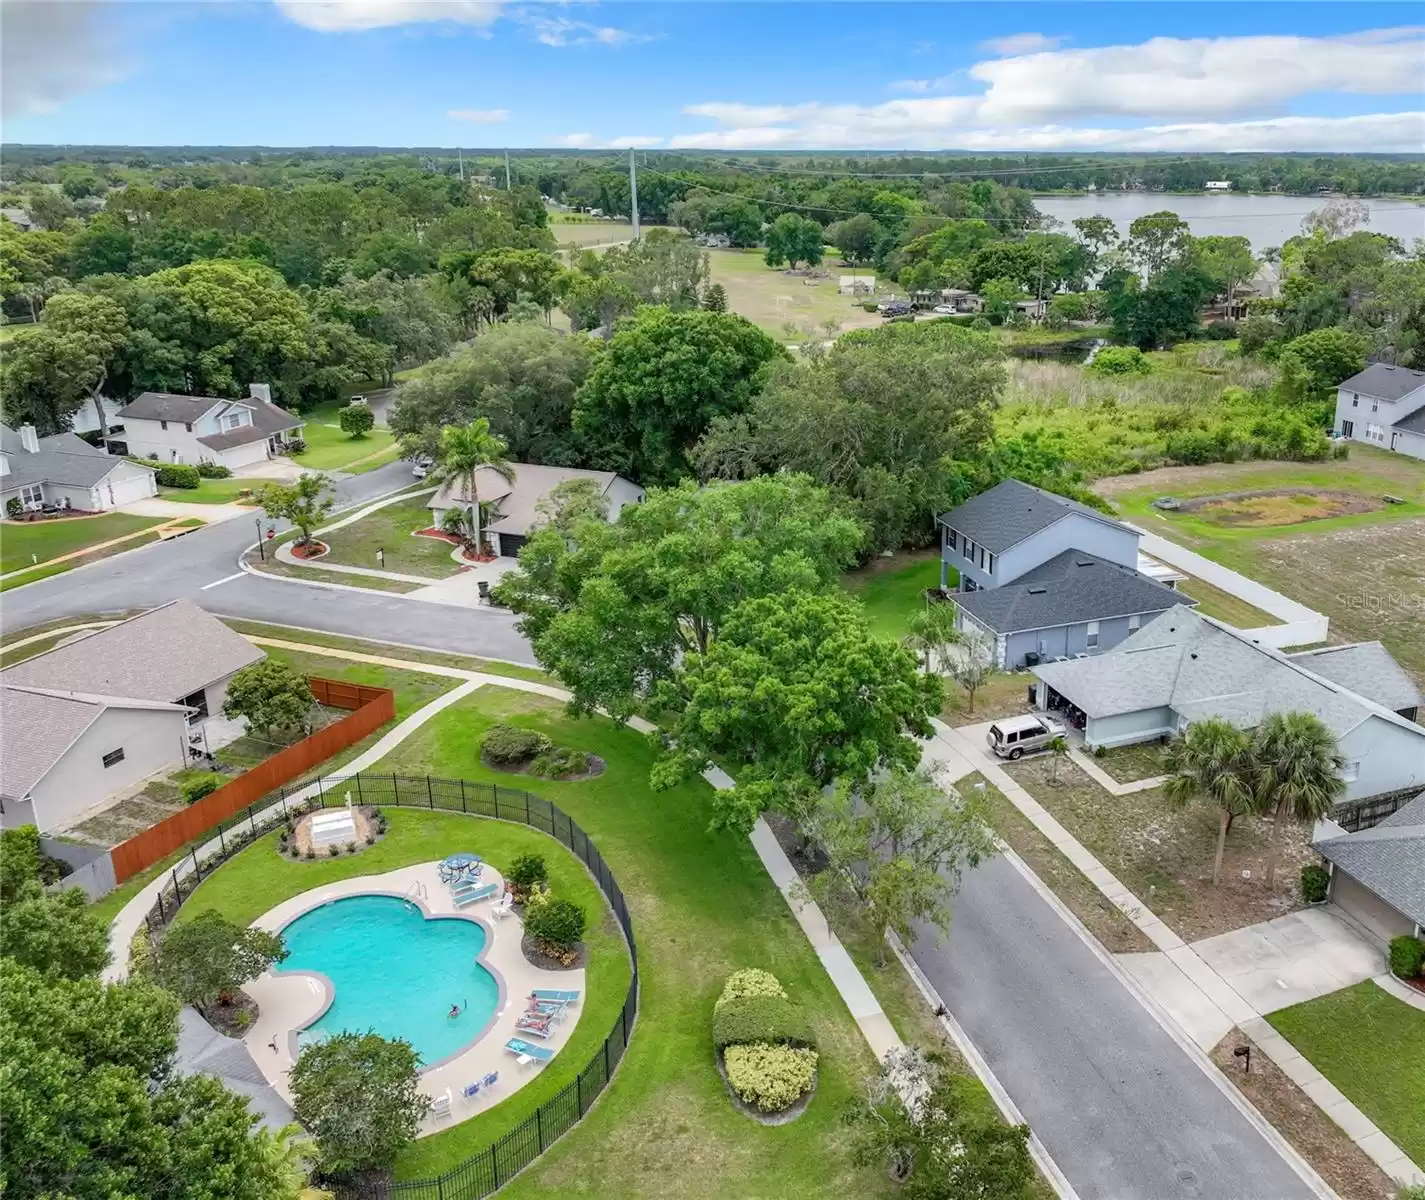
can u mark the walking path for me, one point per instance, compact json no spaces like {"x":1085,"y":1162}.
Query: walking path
{"x":1086,"y":764}
{"x":212,"y":514}
{"x":1300,"y":626}
{"x":1183,"y":983}
{"x":285,"y":555}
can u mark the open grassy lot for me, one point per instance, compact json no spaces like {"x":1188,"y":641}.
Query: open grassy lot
{"x":314,"y":574}
{"x":772,"y":299}
{"x":390,"y":529}
{"x":50,"y":539}
{"x":329,"y":449}
{"x":258,"y":878}
{"x":589,"y":232}
{"x":1370,"y":1045}
{"x":1003,"y":695}
{"x":1164,"y":856}
{"x":702,"y":906}
{"x":893,"y":589}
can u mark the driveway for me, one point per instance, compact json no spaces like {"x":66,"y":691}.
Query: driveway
{"x":1292,"y":959}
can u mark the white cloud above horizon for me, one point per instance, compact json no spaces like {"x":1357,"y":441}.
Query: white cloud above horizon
{"x":51,"y":52}
{"x":587,"y":141}
{"x":349,"y":16}
{"x":479,"y":116}
{"x":1021,"y":43}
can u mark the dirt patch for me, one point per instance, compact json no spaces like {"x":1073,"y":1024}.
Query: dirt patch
{"x":1164,"y":855}
{"x":368,"y":825}
{"x":233,"y":1019}
{"x":1319,"y":1140}
{"x":310,"y":550}
{"x":1278,"y":506}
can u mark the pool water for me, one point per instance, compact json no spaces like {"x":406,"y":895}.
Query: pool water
{"x":395,"y":972}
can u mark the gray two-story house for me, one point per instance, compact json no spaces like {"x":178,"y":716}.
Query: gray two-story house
{"x":1045,"y":577}
{"x":1383,"y":406}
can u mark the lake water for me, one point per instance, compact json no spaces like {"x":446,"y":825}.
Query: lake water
{"x":1265,"y":220}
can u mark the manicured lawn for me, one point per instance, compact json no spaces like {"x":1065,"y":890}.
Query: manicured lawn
{"x":314,"y":574}
{"x":1128,"y":764}
{"x":893,"y":589}
{"x":50,"y":539}
{"x":1164,"y":855}
{"x":1372,"y":1047}
{"x":215,"y":491}
{"x":702,"y":906}
{"x":258,"y":878}
{"x":390,"y":529}
{"x":329,"y":449}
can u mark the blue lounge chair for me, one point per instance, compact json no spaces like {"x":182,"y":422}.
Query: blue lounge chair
{"x":469,"y":895}
{"x":524,"y":1049}
{"x":554,"y":996}
{"x":536,"y":1025}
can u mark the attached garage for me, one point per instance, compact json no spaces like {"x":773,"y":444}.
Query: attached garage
{"x":1378,"y":874}
{"x":125,"y":484}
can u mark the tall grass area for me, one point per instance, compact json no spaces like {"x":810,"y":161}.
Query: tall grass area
{"x":1201,"y":403}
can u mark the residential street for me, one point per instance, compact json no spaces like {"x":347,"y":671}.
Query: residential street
{"x":1117,"y":1103}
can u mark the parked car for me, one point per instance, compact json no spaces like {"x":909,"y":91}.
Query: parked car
{"x":1016,"y":736}
{"x":895,"y":308}
{"x":421,"y":465}
{"x":945,"y":310}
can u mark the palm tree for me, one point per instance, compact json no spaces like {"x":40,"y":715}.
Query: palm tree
{"x":932,"y":633}
{"x":1296,"y":773}
{"x":1212,"y":761}
{"x":464,"y":449}
{"x":1058,"y":749}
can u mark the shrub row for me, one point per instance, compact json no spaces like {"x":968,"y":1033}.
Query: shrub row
{"x":213,"y":471}
{"x":750,"y":982}
{"x":1407,"y":956}
{"x":508,"y":745}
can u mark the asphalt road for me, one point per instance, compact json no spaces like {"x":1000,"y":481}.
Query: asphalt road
{"x":189,"y":565}
{"x":1118,"y":1104}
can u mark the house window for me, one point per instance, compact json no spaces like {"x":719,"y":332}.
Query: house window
{"x":969,"y":550}
{"x":188,"y":426}
{"x":1135,"y":622}
{"x":1356,"y":403}
{"x":198,"y":701}
{"x":234,"y":420}
{"x":33,"y":493}
{"x":951,"y":539}
{"x":1092,"y":639}
{"x":114,"y":757}
{"x":1351,"y":771}
{"x":163,"y":424}
{"x":1348,"y":429}
{"x":982,"y":558}
{"x":992,"y":564}
{"x":1375,"y":407}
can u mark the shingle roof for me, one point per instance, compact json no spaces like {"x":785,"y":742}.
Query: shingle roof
{"x":1069,"y":588}
{"x":1367,"y":669}
{"x":516,"y":500}
{"x":164,"y":654}
{"x":1413,"y":423}
{"x":235,"y":437}
{"x":41,"y":724}
{"x":1384,"y":381}
{"x":1388,"y":858}
{"x":1012,"y":511}
{"x":170,"y":406}
{"x":63,"y":458}
{"x":202,"y":1050}
{"x":1200,"y":667}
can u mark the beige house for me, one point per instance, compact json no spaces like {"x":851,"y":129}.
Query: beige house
{"x":91,"y":718}
{"x":512,"y":505}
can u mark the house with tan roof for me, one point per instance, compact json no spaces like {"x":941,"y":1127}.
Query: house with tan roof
{"x":511,"y":507}
{"x":95,"y":717}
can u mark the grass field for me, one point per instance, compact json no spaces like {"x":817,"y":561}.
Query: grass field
{"x":590,"y":232}
{"x":215,"y":491}
{"x":1372,"y":1047}
{"x":893,"y":589}
{"x":50,"y":539}
{"x":329,"y":449}
{"x":772,"y":299}
{"x":1365,"y":571}
{"x":390,"y":529}
{"x":702,"y":907}
{"x":1214,"y":602}
{"x":258,"y":878}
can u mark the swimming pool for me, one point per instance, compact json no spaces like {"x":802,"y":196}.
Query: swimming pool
{"x":395,"y":971}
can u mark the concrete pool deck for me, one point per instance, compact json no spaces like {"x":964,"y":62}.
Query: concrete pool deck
{"x":289,"y":1001}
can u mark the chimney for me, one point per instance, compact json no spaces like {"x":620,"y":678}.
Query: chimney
{"x":260,"y":391}
{"x":29,"y":439}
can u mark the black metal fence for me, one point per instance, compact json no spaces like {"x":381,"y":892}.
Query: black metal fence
{"x":491,"y":1168}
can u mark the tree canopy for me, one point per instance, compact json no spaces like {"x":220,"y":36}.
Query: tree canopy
{"x":204,"y":960}
{"x":271,"y":695}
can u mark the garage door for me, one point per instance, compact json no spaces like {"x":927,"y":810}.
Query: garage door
{"x":511,"y":544}
{"x":115,"y":491}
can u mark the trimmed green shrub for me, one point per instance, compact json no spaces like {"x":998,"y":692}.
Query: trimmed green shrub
{"x":14,"y":510}
{"x":526,"y":871}
{"x":1407,"y":956}
{"x":1120,"y":360}
{"x":198,"y":786}
{"x":1221,"y":331}
{"x":770,"y":1077}
{"x":356,"y":420}
{"x":559,"y":762}
{"x":1315,"y":880}
{"x":868,"y":306}
{"x":295,"y":446}
{"x":213,"y":471}
{"x":508,"y":744}
{"x":751,"y":982}
{"x":177,"y":475}
{"x":556,"y":926}
{"x":769,"y":1019}
{"x":981,"y":325}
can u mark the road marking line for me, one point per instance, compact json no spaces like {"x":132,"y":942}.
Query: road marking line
{"x":220,"y":582}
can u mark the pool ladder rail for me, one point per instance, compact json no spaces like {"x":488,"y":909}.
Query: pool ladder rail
{"x":416,"y":889}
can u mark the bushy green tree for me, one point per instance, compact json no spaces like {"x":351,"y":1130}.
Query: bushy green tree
{"x":305,"y":503}
{"x":659,"y":383}
{"x":356,"y":420}
{"x":1314,"y":363}
{"x":205,"y":960}
{"x":54,"y":932}
{"x":856,"y":237}
{"x":798,"y":694}
{"x":793,"y":239}
{"x":271,"y":695}
{"x":612,"y":609}
{"x":19,"y":860}
{"x":359,"y":1095}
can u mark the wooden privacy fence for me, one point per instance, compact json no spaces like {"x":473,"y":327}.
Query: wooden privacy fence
{"x":371,"y":708}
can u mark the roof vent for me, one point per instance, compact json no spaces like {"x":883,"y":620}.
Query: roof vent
{"x":1037,"y":591}
{"x":1084,"y":562}
{"x":1193,"y":656}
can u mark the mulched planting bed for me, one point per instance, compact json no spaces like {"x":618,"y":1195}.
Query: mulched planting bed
{"x":547,"y":962}
{"x":310,"y":551}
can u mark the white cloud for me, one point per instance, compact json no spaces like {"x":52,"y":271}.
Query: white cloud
{"x":587,"y":141}
{"x":1022,"y":43}
{"x":562,"y":31}
{"x":344,"y":16}
{"x":579,"y":141}
{"x":1382,"y":132}
{"x":635,"y":143}
{"x":52,"y":51}
{"x":1196,"y":77}
{"x":479,"y":116}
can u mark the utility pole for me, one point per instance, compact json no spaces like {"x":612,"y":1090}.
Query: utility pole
{"x":508,"y":188}
{"x":633,"y":191}
{"x":461,"y":155}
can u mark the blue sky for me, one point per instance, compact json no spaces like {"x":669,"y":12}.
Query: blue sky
{"x":1202,"y":76}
